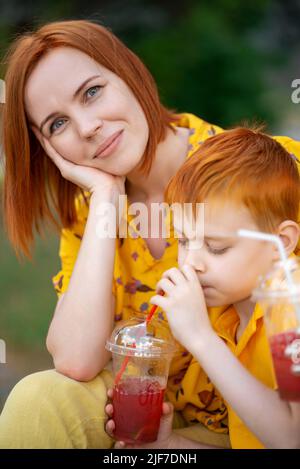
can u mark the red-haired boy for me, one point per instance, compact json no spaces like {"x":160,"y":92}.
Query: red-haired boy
{"x":246,"y":180}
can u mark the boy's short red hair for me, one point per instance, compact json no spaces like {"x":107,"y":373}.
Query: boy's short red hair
{"x":245,"y":166}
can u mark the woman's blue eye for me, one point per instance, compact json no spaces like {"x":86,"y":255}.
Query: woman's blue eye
{"x":91,"y":92}
{"x":53,"y":125}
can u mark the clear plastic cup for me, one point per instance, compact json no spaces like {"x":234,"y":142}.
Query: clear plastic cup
{"x":281,"y":306}
{"x":141,"y":358}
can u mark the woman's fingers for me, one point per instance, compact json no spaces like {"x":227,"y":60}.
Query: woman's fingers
{"x":86,"y":177}
{"x":109,"y":410}
{"x":110,"y":427}
{"x":167,"y":408}
{"x":119,"y":445}
{"x":165,"y":427}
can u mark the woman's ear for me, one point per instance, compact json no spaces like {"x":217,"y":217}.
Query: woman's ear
{"x":289,"y":232}
{"x":37,"y":133}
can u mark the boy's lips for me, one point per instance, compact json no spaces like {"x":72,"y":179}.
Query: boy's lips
{"x":109,"y":145}
{"x":206,"y":286}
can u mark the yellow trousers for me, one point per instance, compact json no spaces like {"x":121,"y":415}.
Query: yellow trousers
{"x":49,"y":410}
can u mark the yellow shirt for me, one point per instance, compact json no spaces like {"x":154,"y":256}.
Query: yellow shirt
{"x":253,"y":351}
{"x":136,"y":274}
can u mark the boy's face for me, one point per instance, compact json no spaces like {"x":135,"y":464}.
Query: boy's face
{"x":227,"y":267}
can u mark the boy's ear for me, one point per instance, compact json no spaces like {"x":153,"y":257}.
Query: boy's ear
{"x":289,"y":232}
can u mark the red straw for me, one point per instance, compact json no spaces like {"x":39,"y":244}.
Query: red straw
{"x":123,"y":367}
{"x":126,"y":359}
{"x":152,"y":311}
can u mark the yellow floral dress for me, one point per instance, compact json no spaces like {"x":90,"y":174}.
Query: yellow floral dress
{"x":136,"y":274}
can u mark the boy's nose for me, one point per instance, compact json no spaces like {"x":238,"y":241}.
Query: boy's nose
{"x":195,"y":259}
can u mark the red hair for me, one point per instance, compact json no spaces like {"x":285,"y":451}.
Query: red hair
{"x":247,"y":167}
{"x":32,"y":183}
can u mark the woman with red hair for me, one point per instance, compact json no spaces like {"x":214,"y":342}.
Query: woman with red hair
{"x":83,"y":124}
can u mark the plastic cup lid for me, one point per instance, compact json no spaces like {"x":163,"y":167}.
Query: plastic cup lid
{"x":274,"y":284}
{"x":133,"y":338}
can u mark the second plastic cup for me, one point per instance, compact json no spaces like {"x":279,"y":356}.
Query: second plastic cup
{"x":139,"y":389}
{"x":281,"y":307}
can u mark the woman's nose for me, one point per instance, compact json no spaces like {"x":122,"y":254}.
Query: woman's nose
{"x":89,"y":129}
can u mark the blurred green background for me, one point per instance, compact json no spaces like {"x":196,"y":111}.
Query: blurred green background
{"x":228,"y":61}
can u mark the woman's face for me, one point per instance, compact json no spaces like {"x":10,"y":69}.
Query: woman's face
{"x":88,"y":113}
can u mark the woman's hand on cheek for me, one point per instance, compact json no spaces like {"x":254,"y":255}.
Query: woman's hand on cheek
{"x":184,"y":304}
{"x":87,"y":178}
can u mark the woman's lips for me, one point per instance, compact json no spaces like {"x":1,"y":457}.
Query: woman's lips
{"x":109,"y":145}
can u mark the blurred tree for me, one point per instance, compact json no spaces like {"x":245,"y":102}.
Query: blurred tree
{"x":207,"y":62}
{"x":198,"y":51}
{"x":210,"y":58}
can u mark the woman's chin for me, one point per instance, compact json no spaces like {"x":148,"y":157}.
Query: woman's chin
{"x":116,"y":168}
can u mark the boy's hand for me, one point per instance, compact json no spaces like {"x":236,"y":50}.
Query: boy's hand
{"x":184,"y":304}
{"x":165,"y":438}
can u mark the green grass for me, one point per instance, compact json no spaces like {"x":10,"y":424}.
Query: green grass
{"x":27,"y":298}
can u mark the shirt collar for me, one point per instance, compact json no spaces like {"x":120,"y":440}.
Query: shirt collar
{"x":227,"y":322}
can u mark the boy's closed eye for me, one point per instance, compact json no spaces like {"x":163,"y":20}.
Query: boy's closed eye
{"x":184,"y":243}
{"x":217,"y":250}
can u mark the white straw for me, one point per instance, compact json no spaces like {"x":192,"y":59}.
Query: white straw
{"x":276,"y":240}
{"x":272,"y":239}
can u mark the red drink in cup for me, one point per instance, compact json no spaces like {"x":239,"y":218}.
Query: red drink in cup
{"x":281,"y":306}
{"x":137,"y":410}
{"x":141,"y":358}
{"x":288,"y":378}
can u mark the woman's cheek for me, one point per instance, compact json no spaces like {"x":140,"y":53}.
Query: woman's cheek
{"x":65,"y":145}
